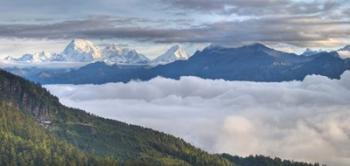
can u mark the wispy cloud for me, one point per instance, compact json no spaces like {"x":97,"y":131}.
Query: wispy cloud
{"x":296,"y":120}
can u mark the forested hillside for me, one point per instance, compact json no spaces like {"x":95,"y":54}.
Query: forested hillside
{"x":25,"y":142}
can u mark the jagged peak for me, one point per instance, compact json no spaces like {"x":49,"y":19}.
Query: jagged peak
{"x":174,"y":53}
{"x":79,"y":41}
{"x":81,"y":50}
{"x":114,"y":48}
{"x":81,"y":44}
{"x":176,"y":50}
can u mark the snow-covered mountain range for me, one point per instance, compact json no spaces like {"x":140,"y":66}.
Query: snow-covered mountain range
{"x":173,"y":54}
{"x":80,"y":50}
{"x":36,"y":57}
{"x":114,"y":54}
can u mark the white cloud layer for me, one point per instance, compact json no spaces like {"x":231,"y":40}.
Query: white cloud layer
{"x":307,"y":120}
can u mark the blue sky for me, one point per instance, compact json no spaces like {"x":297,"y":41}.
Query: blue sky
{"x":152,"y":26}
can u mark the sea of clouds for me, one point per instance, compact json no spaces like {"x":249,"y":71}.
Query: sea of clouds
{"x":308,"y":120}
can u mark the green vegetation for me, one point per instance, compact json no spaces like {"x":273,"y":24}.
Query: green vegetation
{"x":35,"y":129}
{"x":25,"y":142}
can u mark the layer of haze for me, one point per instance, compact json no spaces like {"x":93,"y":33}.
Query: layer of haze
{"x":306,"y":120}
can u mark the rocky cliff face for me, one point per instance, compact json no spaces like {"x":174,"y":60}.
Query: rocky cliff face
{"x":15,"y":91}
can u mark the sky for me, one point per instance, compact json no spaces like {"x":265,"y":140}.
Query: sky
{"x":153,"y":26}
{"x":301,"y":120}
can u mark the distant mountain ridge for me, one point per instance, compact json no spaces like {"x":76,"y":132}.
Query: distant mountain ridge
{"x":255,"y":62}
{"x":28,"y":58}
{"x":80,"y":50}
{"x":113,"y":54}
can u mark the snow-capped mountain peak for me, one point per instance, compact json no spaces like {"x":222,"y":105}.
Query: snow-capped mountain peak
{"x":32,"y":58}
{"x":80,"y":50}
{"x":178,"y":51}
{"x":114,"y":54}
{"x":172,"y":54}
